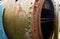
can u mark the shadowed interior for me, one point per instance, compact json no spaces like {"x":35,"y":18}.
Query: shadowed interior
{"x":47,"y":20}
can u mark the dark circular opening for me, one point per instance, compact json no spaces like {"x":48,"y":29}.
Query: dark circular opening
{"x":47,"y":19}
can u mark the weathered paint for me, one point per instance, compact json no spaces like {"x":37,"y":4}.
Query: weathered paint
{"x":16,"y":19}
{"x":22,"y":18}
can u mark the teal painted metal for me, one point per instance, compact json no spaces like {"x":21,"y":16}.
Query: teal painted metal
{"x":2,"y":33}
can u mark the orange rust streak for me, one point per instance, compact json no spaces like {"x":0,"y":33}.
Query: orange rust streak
{"x":37,"y":33}
{"x":19,"y":9}
{"x":34,"y":27}
{"x":40,"y":5}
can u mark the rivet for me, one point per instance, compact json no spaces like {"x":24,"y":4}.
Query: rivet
{"x":31,"y":2}
{"x":29,"y":32}
{"x":30,"y":17}
{"x":29,"y":22}
{"x":30,"y":36}
{"x":35,"y":6}
{"x":30,"y":7}
{"x":29,"y":12}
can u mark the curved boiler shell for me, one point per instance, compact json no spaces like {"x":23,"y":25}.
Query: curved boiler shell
{"x":17,"y":19}
{"x":22,"y":20}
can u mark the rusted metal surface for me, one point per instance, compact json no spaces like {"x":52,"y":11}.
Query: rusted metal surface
{"x":37,"y":33}
{"x":22,"y":19}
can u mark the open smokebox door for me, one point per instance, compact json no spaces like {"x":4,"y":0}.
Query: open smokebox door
{"x":29,"y":20}
{"x":48,"y":20}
